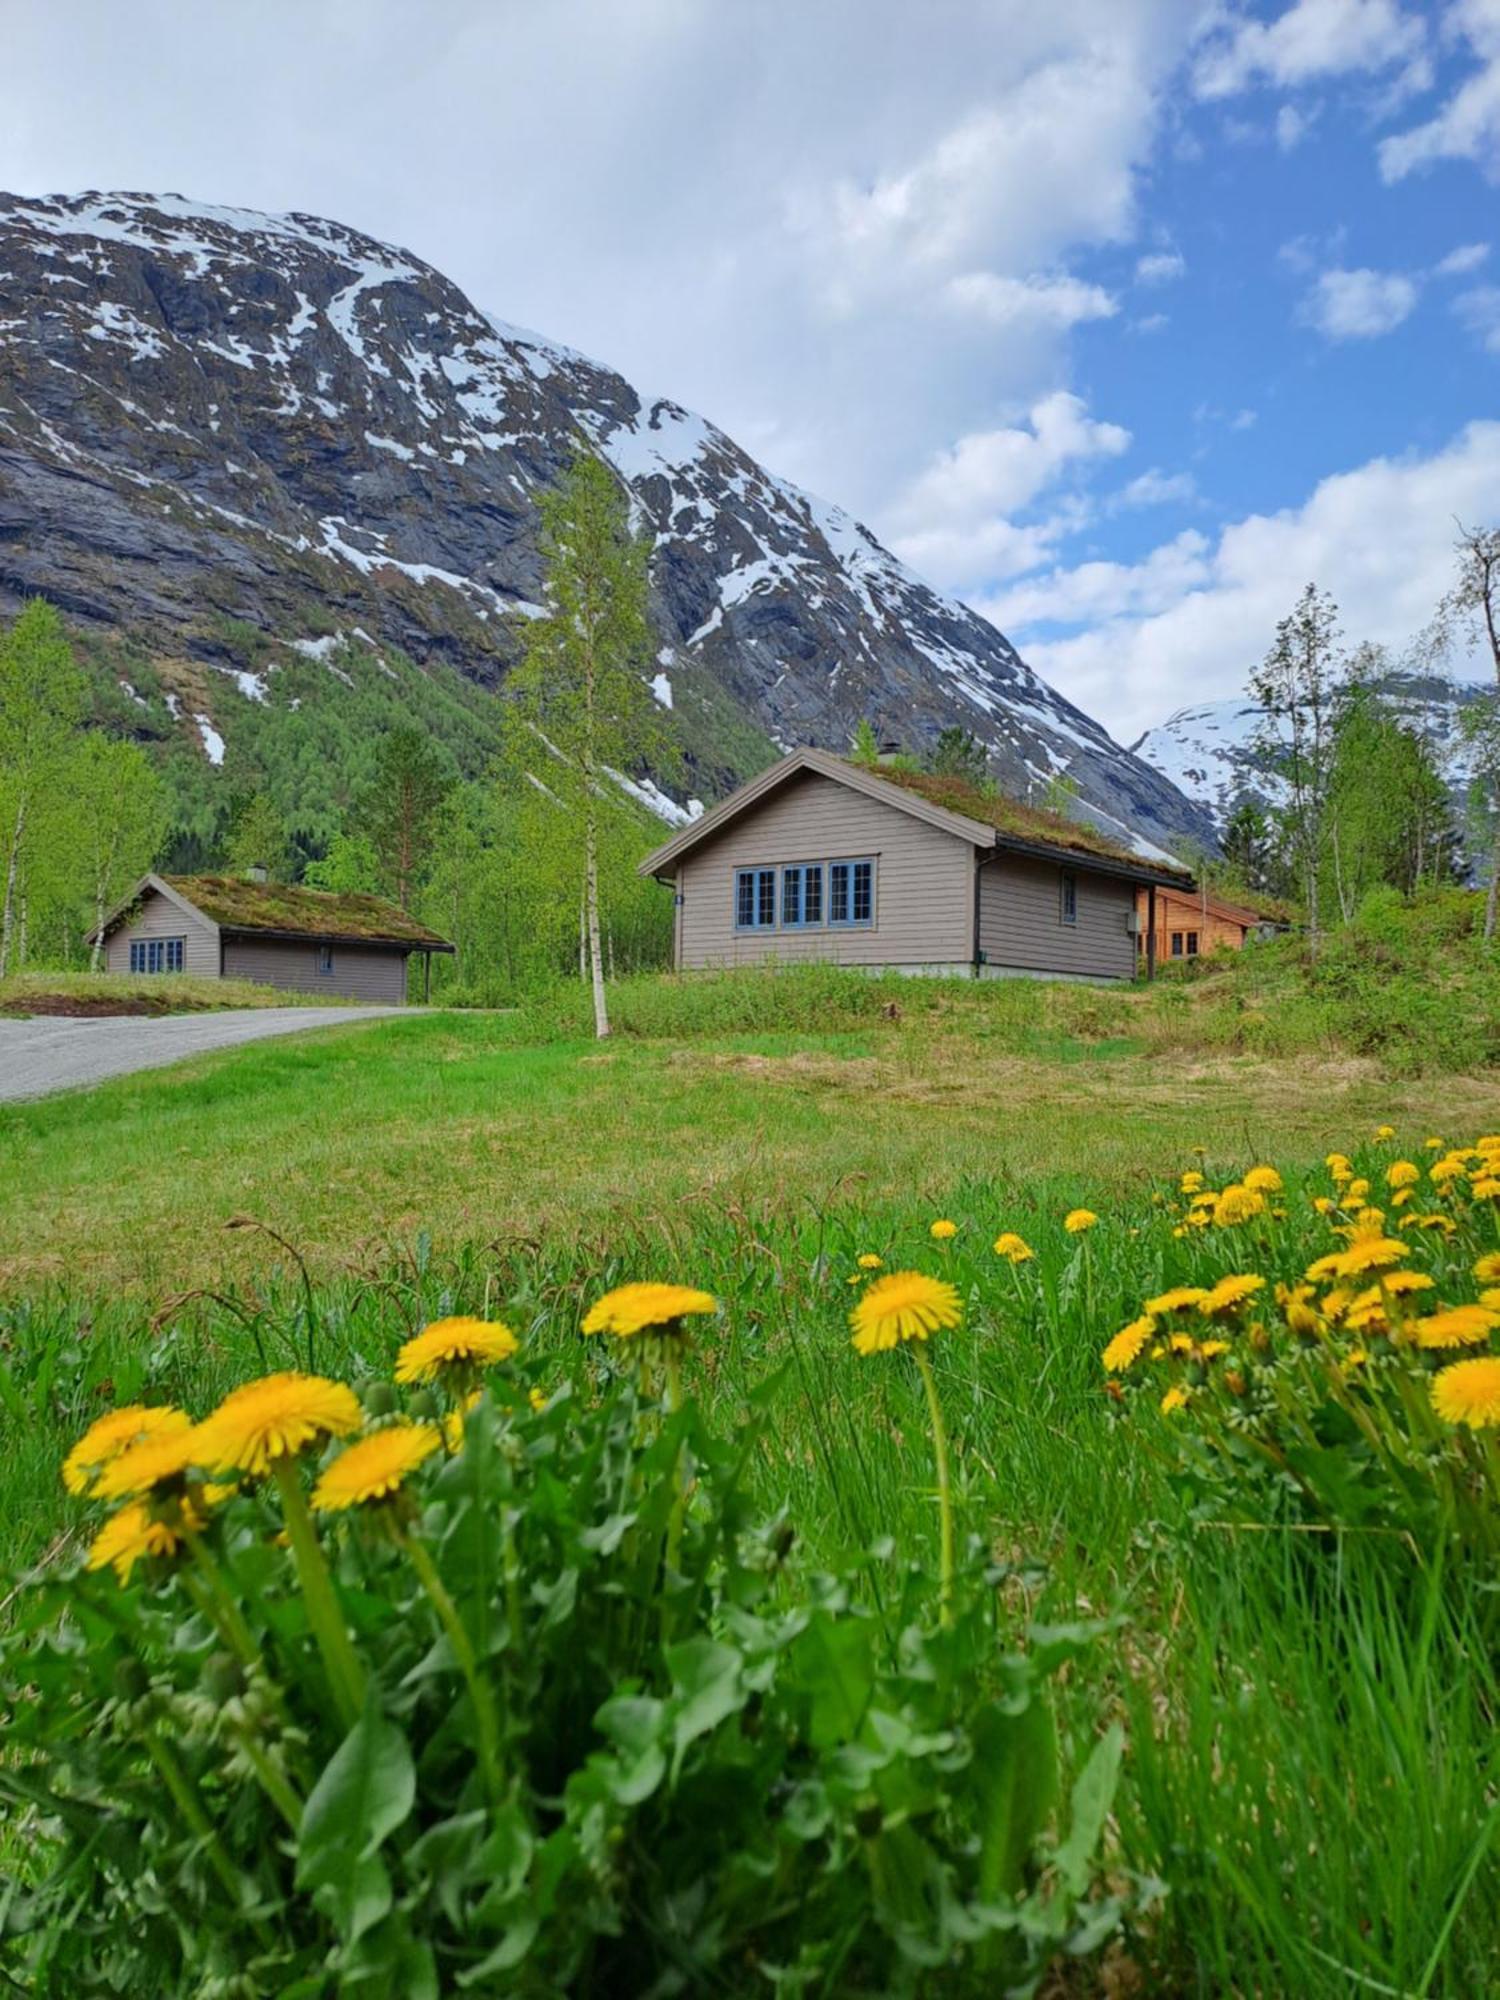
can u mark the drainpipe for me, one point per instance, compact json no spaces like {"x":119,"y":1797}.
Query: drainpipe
{"x":1151,"y":931}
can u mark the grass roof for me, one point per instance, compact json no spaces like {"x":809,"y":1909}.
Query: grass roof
{"x":238,"y":904}
{"x":1035,"y":825}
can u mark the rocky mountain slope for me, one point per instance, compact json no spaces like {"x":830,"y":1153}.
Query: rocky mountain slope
{"x":1215,"y":754}
{"x":212,"y":419}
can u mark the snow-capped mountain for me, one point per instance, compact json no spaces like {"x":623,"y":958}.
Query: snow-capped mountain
{"x":211,"y":415}
{"x":1216,"y":753}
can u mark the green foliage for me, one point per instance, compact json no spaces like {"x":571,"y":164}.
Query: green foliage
{"x":396,"y":814}
{"x":349,"y":868}
{"x":864,"y":745}
{"x":711,"y":1758}
{"x":1387,"y":816}
{"x":958,"y":753}
{"x":41,"y":705}
{"x":258,"y":839}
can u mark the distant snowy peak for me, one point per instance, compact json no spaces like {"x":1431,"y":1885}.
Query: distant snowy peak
{"x":1220,"y":752}
{"x":307,"y":430}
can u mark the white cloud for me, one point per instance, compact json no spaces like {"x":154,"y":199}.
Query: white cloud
{"x":1458,"y":263}
{"x":1187,"y":623}
{"x":1160,"y":267}
{"x":1042,"y":301}
{"x":1314,"y":38}
{"x":1479,"y":311}
{"x":1468,"y":125}
{"x":954,"y":522}
{"x":1293,"y":126}
{"x":1359,"y":305}
{"x":1151,"y":323}
{"x":1157,"y":489}
{"x":1244,"y":420}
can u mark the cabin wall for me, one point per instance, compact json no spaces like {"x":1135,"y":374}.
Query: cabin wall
{"x":360,"y":972}
{"x":924,"y":883}
{"x":158,"y":918}
{"x":1021,"y":927}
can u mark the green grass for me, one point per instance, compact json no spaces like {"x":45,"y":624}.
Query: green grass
{"x":1312,"y":1764}
{"x":32,"y":993}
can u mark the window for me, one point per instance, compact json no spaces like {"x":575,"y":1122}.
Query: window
{"x":755,"y":899}
{"x":1192,"y":944}
{"x":802,"y":895}
{"x":325,"y":959}
{"x":851,"y":892}
{"x":157,"y":954}
{"x":1069,"y":909}
{"x":1177,"y":944}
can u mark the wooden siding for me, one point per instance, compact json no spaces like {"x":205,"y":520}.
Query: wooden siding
{"x":924,"y":882}
{"x":1020,"y":920}
{"x":157,"y":918}
{"x":1185,"y":913}
{"x":360,"y":972}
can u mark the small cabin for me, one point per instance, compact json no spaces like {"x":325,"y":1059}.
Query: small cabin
{"x":820,"y":858}
{"x":1191,"y":922}
{"x":241,"y":927}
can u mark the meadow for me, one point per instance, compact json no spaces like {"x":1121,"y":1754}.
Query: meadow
{"x":1294,"y":1669}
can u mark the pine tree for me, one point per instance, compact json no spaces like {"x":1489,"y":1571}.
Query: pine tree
{"x":580,"y":686}
{"x":1247,"y":845}
{"x":258,"y":839}
{"x":958,"y":753}
{"x":41,"y":707}
{"x":864,"y":746}
{"x":397,"y":811}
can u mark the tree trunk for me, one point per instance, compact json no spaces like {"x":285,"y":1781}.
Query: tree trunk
{"x":96,"y":956}
{"x":596,"y":957}
{"x":1493,"y":897}
{"x":8,"y":915}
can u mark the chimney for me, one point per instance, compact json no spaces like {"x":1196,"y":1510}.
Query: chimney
{"x":256,"y":873}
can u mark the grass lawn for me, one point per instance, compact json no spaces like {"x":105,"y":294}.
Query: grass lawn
{"x":89,"y":993}
{"x":1312,"y":1763}
{"x":468,"y":1127}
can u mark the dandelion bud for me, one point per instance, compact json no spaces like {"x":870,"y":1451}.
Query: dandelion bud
{"x":378,"y":1397}
{"x":424,"y":1407}
{"x":1260,"y":1340}
{"x":223,"y":1678}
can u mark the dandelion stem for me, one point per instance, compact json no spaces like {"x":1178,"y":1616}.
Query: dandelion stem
{"x":463,"y":1652}
{"x":345,"y":1674}
{"x":185,"y":1797}
{"x":274,"y":1783}
{"x":944,"y":1486}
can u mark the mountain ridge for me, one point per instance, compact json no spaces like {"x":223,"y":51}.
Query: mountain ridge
{"x":211,"y":416}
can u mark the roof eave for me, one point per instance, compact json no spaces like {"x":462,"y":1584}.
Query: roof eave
{"x":1098,"y":864}
{"x":335,"y":937}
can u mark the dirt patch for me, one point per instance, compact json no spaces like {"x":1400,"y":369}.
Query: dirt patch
{"x":76,"y":1007}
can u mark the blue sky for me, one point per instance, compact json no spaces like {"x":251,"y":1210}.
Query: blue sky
{"x":1120,"y":318}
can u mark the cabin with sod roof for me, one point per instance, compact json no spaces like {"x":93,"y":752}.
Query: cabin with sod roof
{"x":1189,"y":923}
{"x":819,"y":858}
{"x":239,"y":927}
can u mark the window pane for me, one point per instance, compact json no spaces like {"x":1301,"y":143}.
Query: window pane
{"x":174,"y":954}
{"x":838,"y":892}
{"x":744,"y":899}
{"x":864,"y":891}
{"x":791,"y":895}
{"x":1192,"y":944}
{"x":812,"y":895}
{"x":766,"y":914}
{"x":1070,"y":899}
{"x":1177,"y":944}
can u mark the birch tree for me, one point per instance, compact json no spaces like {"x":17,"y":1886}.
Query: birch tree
{"x":121,"y":821}
{"x":1469,"y":617}
{"x":1300,"y":686}
{"x":580,"y":688}
{"x":41,"y":710}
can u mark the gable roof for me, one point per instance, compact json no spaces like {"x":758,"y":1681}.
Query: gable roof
{"x":988,"y":821}
{"x":278,"y":909}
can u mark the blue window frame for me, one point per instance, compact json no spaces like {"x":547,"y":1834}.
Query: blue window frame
{"x":755,"y":899}
{"x":1068,"y":911}
{"x":851,"y":893}
{"x":157,"y":954}
{"x":802,"y":896}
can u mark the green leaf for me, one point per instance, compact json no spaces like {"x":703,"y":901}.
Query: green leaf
{"x":1015,"y":1783}
{"x":365,"y":1792}
{"x":708,"y":1686}
{"x":835,"y":1660}
{"x":1093,"y":1794}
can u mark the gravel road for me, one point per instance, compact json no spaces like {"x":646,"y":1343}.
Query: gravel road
{"x":48,"y":1053}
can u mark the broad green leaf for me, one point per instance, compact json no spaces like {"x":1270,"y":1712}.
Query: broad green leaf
{"x":1015,"y":1783}
{"x":1093,"y":1794}
{"x":365,"y":1792}
{"x":707,"y":1686}
{"x":835,"y":1661}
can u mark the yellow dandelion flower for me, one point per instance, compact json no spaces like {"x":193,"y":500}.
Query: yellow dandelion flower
{"x":113,"y":1433}
{"x":276,"y":1417}
{"x":130,"y":1535}
{"x":942,"y":1229}
{"x":1487,"y":1270}
{"x":375,"y":1468}
{"x":457,"y":1344}
{"x":1191,"y":1181}
{"x":1469,"y":1393}
{"x":1015,"y":1249}
{"x":1432,"y":1145}
{"x":1457,"y":1326}
{"x":155,"y":1462}
{"x":1263,"y":1180}
{"x":1486,"y":1188}
{"x":1367,"y":1313}
{"x":1181,"y":1343}
{"x":1238,"y":1204}
{"x":1402,"y":1174}
{"x":1402,"y":1282}
{"x":1180,"y":1229}
{"x":1125,"y":1349}
{"x":1077,"y":1220}
{"x":538,"y":1398}
{"x":647,"y":1308}
{"x":1355,"y":1192}
{"x":1385,"y":1131}
{"x":869,"y":1261}
{"x":454,"y":1422}
{"x":1443,"y":1222}
{"x":1337,"y":1302}
{"x":1449,"y":1168}
{"x":1175,"y":1399}
{"x":1490,"y":1297}
{"x":1210,"y":1350}
{"x":1323,"y":1204}
{"x":903,"y":1305}
{"x":1230,"y":1293}
{"x":1181,"y":1298}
